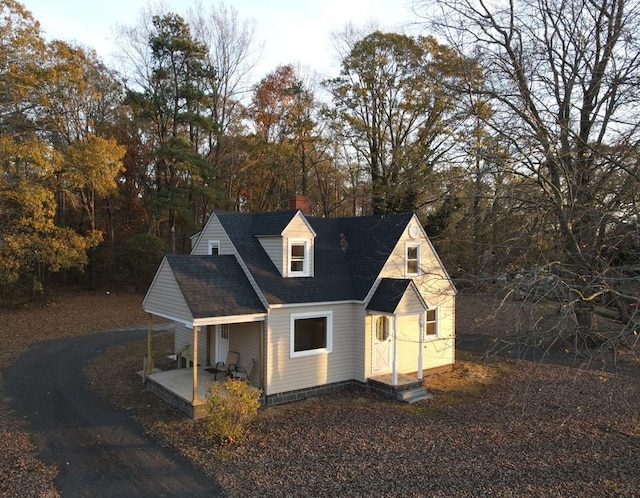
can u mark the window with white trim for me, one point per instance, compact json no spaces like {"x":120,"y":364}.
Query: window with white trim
{"x":311,"y":333}
{"x":412,"y":259}
{"x":298,"y":253}
{"x":431,"y":323}
{"x":214,"y":247}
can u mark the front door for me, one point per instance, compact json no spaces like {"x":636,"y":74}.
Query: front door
{"x":222,"y":342}
{"x":381,"y":342}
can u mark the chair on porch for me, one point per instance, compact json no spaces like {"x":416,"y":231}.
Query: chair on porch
{"x":228,"y":365}
{"x":243,"y":373}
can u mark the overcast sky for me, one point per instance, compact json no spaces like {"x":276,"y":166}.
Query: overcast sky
{"x":294,"y":31}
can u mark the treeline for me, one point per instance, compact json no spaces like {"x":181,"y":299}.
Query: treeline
{"x":513,"y":133}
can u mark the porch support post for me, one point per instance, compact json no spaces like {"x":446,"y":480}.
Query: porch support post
{"x":421,"y":333}
{"x":194,"y":397}
{"x":394,"y":364}
{"x":149,"y":363}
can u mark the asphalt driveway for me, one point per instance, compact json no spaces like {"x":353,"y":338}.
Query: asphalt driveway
{"x":98,"y":448}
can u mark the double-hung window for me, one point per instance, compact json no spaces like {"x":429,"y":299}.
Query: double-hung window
{"x":298,"y":253}
{"x":412,"y":259}
{"x":311,"y":333}
{"x":431,"y":324}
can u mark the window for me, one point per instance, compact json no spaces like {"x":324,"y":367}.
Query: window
{"x":214,"y":247}
{"x":224,"y":331}
{"x":382,"y":329}
{"x":311,"y":333}
{"x":412,"y":259}
{"x":298,"y":258}
{"x":431,"y":324}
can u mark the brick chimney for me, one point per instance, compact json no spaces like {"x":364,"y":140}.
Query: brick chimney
{"x":300,"y":202}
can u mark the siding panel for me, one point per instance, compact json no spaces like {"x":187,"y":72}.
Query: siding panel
{"x":212,"y":231}
{"x":286,"y":374}
{"x":245,"y":339}
{"x":273,"y":247}
{"x":164,"y":297}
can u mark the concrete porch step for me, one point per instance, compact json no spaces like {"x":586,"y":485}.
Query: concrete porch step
{"x":413,"y":395}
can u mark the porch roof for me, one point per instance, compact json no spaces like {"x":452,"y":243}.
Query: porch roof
{"x":396,"y":294}
{"x":214,"y":286}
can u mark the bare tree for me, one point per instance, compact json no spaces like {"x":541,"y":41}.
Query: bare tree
{"x":234,"y":52}
{"x":395,"y":102}
{"x":562,"y":77}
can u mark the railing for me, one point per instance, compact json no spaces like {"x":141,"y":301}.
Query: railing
{"x":183,"y":353}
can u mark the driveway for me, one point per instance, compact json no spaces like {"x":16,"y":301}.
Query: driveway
{"x":98,"y":448}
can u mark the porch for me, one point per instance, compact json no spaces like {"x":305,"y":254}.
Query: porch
{"x":176,"y":388}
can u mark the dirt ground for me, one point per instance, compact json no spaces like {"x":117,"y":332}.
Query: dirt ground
{"x":496,"y":427}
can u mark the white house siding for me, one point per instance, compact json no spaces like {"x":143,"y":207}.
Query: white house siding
{"x":435,"y":353}
{"x":273,"y":247}
{"x":245,"y":339}
{"x":361,"y":343}
{"x":183,"y":336}
{"x":288,"y":374}
{"x":410,"y":303}
{"x":212,"y":231}
{"x":298,"y":229}
{"x":436,"y":290}
{"x":407,"y":344}
{"x":166,"y":300}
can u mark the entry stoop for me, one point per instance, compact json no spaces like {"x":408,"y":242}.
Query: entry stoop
{"x":413,"y":395}
{"x":408,"y":389}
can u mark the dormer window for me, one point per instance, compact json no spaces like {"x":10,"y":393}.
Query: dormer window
{"x":298,"y":258}
{"x":214,"y":247}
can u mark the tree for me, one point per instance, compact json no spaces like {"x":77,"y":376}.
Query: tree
{"x":22,"y":53}
{"x":232,"y":50}
{"x":395,"y":103}
{"x":562,"y":78}
{"x":31,"y":244}
{"x":173,"y":108}
{"x":286,"y":140}
{"x":49,"y":109}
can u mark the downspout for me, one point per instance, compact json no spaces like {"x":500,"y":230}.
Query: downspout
{"x":194,"y":397}
{"x":421,"y":332}
{"x":394,"y":367}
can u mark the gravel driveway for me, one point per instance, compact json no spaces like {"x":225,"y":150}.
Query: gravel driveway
{"x":99,"y":449}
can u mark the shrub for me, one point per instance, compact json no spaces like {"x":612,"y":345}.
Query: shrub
{"x":231,"y":407}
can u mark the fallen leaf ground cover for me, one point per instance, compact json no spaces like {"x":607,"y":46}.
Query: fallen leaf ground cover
{"x":495,"y":427}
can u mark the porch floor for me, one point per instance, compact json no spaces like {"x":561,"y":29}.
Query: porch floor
{"x":176,"y":388}
{"x":403,"y":379}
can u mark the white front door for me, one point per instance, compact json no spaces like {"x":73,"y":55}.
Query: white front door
{"x":222,"y":342}
{"x":381,"y":344}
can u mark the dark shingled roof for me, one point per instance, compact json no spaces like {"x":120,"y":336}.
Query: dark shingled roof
{"x":214,"y":286}
{"x":349,"y":254}
{"x":388,"y":294}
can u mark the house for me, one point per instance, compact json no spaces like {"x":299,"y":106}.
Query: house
{"x":317,"y":303}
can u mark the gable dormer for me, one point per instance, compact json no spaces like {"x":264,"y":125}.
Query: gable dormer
{"x":291,"y":247}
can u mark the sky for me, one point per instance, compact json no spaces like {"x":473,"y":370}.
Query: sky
{"x":293,"y":31}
